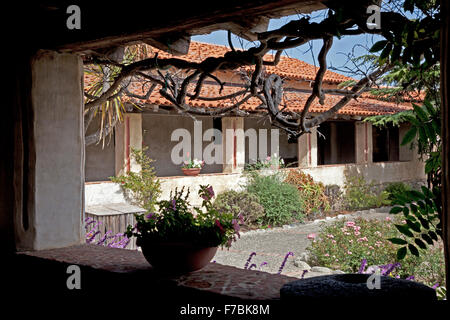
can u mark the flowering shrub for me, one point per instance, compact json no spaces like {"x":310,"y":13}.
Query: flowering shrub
{"x":176,"y":221}
{"x":344,"y":244}
{"x":242,"y":204}
{"x":311,"y":192}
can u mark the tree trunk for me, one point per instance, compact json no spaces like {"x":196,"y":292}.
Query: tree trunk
{"x":445,"y":12}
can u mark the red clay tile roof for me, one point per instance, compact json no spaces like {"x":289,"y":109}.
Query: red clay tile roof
{"x":287,"y":67}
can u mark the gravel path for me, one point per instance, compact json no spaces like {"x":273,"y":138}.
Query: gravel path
{"x":272,"y":245}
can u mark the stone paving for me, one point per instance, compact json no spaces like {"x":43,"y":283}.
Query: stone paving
{"x":272,"y":245}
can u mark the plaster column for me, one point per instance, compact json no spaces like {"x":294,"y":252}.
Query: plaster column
{"x":307,"y":149}
{"x":128,"y":136}
{"x":233,"y":142}
{"x":363,"y":142}
{"x":49,"y":176}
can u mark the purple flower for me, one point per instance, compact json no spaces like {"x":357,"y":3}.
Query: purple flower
{"x":91,"y":238}
{"x":387,"y":269}
{"x":363,"y":266}
{"x":410,"y":278}
{"x":151,"y":215}
{"x":174,"y":204}
{"x":103,"y":239}
{"x":303,"y":273}
{"x":249,"y":258}
{"x":262,"y":265}
{"x":435,"y":286}
{"x":284,"y":261}
{"x":241,"y":218}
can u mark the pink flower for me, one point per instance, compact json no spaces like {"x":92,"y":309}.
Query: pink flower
{"x":220,"y":226}
{"x":357,"y":228}
{"x":350,"y":224}
{"x":334,"y":241}
{"x":312,"y":236}
{"x":357,"y":233}
{"x":326,"y":255}
{"x":388,"y":219}
{"x":330,"y":236}
{"x":349,"y":252}
{"x":362,"y":239}
{"x":350,"y":240}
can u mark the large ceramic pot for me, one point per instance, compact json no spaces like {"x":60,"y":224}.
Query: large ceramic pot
{"x":177,"y":258}
{"x":191,"y":171}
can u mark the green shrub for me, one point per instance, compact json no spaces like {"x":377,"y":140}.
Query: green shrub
{"x":281,"y":201}
{"x":243,"y":203}
{"x":362,"y":195}
{"x":344,"y":244}
{"x":395,"y":188}
{"x":142,"y":187}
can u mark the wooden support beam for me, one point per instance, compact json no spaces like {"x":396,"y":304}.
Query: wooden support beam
{"x":174,"y":44}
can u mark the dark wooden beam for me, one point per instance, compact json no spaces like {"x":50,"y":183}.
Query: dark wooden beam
{"x":105,"y":24}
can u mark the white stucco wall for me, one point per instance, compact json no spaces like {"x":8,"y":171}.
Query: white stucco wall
{"x":384,"y":172}
{"x":55,"y":207}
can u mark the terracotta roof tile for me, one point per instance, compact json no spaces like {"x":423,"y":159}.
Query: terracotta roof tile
{"x":287,"y":67}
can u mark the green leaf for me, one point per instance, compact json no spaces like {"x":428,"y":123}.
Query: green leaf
{"x":433,"y":235}
{"x":401,"y":253}
{"x":413,"y":250}
{"x":431,"y":110}
{"x":398,"y":241}
{"x":386,"y":51}
{"x":415,"y":195}
{"x":421,"y":113}
{"x":409,"y":136}
{"x":413,"y":226}
{"x":405,"y":211}
{"x":404,"y":230}
{"x":424,"y":223}
{"x":395,"y":210}
{"x":427,"y":192}
{"x":427,"y":238}
{"x":378,"y":46}
{"x":420,"y":244}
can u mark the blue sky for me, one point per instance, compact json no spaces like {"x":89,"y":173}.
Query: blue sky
{"x":336,"y":58}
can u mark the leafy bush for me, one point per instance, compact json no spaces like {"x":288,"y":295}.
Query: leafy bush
{"x":240,"y":203}
{"x":362,"y":195}
{"x":281,"y":201}
{"x":395,"y":188}
{"x":311,"y":192}
{"x":344,"y":244}
{"x":142,"y":187}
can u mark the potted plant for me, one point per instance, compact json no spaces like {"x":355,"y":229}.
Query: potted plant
{"x":180,"y":238}
{"x":192,"y":167}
